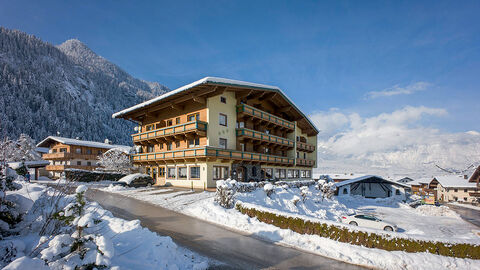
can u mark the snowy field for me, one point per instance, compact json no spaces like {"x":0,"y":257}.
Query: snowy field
{"x":126,"y":244}
{"x":202,"y":206}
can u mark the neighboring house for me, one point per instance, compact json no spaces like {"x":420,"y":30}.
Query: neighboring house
{"x":421,"y":186}
{"x":475,"y":178}
{"x":452,"y":188}
{"x":72,"y":153}
{"x":405,"y":180}
{"x":371,"y":186}
{"x":218,"y":128}
{"x":338,"y":177}
{"x":36,"y":168}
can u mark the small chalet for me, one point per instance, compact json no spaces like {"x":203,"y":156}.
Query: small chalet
{"x":371,"y":186}
{"x":452,"y":188}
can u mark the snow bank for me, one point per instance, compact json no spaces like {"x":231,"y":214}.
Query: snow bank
{"x":432,"y":210}
{"x":131,"y":177}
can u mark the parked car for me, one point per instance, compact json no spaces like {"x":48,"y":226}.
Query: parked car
{"x":135,"y":180}
{"x":368,"y":221}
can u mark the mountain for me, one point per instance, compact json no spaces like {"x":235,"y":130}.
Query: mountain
{"x":69,"y":89}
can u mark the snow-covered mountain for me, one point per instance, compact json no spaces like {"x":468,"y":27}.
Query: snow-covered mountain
{"x":67,"y":88}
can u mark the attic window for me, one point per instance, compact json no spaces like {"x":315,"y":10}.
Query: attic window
{"x":223,"y":100}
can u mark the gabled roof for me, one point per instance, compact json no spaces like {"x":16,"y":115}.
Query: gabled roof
{"x":68,"y":141}
{"x":359,"y":179}
{"x":454,"y":181}
{"x":475,"y":176}
{"x":216,"y":81}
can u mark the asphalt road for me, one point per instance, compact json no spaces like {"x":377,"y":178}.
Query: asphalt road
{"x":467,"y":214}
{"x":236,"y":250}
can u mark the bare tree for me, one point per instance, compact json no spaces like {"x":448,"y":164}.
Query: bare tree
{"x":116,"y":160}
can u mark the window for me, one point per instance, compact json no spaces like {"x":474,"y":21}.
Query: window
{"x":465,"y":198}
{"x":150,"y":148}
{"x":296,"y":173}
{"x":79,"y":163}
{"x":99,"y":152}
{"x":169,"y":146}
{"x":147,"y":171}
{"x":268,"y":172}
{"x":63,"y":150}
{"x":242,"y":147}
{"x":303,"y":173}
{"x":89,"y":163}
{"x":193,"y":117}
{"x":78,"y":150}
{"x":89,"y":151}
{"x":54,"y":150}
{"x":298,"y":139}
{"x":289,"y":173}
{"x":397,"y":192}
{"x":194,"y":142}
{"x":267,"y":150}
{"x":277,"y":173}
{"x":309,"y":174}
{"x":282,"y":173}
{"x":220,"y":172}
{"x":455,"y":190}
{"x":154,"y":173}
{"x":158,"y":126}
{"x":160,"y":145}
{"x":222,"y":143}
{"x":149,"y":127}
{"x":223,"y":100}
{"x":177,"y":120}
{"x":169,"y":123}
{"x":465,"y":190}
{"x":267,"y":131}
{"x":161,"y":171}
{"x":254,"y":171}
{"x":345,"y":191}
{"x":177,"y":144}
{"x":304,"y":155}
{"x":222,"y":120}
{"x":171,"y":172}
{"x":182,"y":172}
{"x":298,"y":154}
{"x":195,"y":172}
{"x":240,"y":124}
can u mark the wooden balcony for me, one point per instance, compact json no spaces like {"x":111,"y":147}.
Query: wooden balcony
{"x":305,"y":147}
{"x":268,"y":118}
{"x":63,"y":167}
{"x":67,"y":156}
{"x":209,"y":154}
{"x":305,"y":162}
{"x":169,"y":133}
{"x":474,"y":194}
{"x":245,"y":133}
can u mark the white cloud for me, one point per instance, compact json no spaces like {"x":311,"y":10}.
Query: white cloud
{"x":397,"y":90}
{"x":391,"y":143}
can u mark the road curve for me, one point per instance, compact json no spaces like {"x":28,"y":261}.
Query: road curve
{"x":237,"y":250}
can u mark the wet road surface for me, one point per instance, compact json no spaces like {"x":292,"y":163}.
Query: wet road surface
{"x":470,"y":215}
{"x":237,"y":250}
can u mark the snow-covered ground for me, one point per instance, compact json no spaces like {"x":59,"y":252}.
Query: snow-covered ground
{"x":132,"y":246}
{"x":466,"y":205}
{"x":202,"y":206}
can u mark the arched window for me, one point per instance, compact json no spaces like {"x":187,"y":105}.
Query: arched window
{"x":397,"y":192}
{"x":254,"y":171}
{"x":345,"y":191}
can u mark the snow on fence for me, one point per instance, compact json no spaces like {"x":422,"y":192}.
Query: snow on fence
{"x":361,"y":238}
{"x":91,"y":176}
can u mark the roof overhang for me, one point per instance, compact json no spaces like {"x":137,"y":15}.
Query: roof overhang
{"x":185,"y":92}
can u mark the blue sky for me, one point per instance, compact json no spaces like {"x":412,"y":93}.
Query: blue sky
{"x":324,"y":54}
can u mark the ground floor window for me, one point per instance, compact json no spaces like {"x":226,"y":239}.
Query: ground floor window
{"x":309,"y":174}
{"x":220,"y":172}
{"x":268,"y":172}
{"x":161,"y":171}
{"x":182,"y":172}
{"x":195,"y":172}
{"x":289,"y":173}
{"x":147,"y":170}
{"x":171,"y":172}
{"x":296,"y":173}
{"x":280,"y":173}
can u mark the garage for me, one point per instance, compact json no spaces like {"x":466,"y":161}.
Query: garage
{"x":371,"y":186}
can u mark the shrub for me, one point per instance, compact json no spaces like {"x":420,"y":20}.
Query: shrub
{"x":224,"y":193}
{"x":91,"y":176}
{"x":366,"y":239}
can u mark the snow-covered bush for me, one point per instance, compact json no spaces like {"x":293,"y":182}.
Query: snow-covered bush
{"x":305,"y":192}
{"x":295,"y":200}
{"x":9,"y":216}
{"x":327,"y":189}
{"x":225,"y":192}
{"x":22,"y":169}
{"x":269,"y":189}
{"x":82,"y":249}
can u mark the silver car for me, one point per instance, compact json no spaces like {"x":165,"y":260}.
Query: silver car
{"x":369,"y":221}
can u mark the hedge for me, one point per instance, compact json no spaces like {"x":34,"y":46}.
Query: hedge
{"x":91,"y":176}
{"x":359,"y":238}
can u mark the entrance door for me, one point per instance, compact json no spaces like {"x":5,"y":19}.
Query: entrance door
{"x":241,"y":174}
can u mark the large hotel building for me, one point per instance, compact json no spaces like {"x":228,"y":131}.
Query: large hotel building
{"x":218,"y":128}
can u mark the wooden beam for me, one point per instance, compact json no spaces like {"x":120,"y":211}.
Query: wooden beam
{"x":245,"y":94}
{"x":200,"y":100}
{"x":176,"y":107}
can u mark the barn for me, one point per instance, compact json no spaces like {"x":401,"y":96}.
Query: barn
{"x":371,"y":186}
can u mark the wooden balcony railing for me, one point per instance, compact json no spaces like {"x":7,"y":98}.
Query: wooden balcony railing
{"x":264,"y":137}
{"x":305,"y":162}
{"x":305,"y":147}
{"x":63,"y":167}
{"x":206,"y":152}
{"x":191,"y":127}
{"x":67,"y":155}
{"x":268,"y":117}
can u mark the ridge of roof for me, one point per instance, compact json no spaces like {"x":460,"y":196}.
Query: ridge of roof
{"x":70,"y":141}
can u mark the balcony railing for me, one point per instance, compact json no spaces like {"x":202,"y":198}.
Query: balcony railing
{"x":67,"y":155}
{"x":305,"y":162}
{"x":249,"y":110}
{"x":305,"y":147}
{"x":194,"y":126}
{"x":63,"y":167}
{"x":264,"y":137}
{"x":205,"y":152}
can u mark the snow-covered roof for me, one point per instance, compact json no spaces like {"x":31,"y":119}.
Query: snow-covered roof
{"x":30,"y":164}
{"x":70,"y":141}
{"x":417,"y":182}
{"x":458,"y":181}
{"x":359,"y":179}
{"x":214,"y":80}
